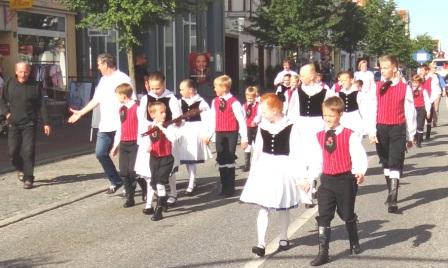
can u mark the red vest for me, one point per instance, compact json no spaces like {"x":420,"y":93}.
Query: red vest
{"x":419,"y":101}
{"x":160,"y":145}
{"x":391,"y":104}
{"x":339,"y":161}
{"x":427,"y":85}
{"x":253,"y":113}
{"x":129,"y":126}
{"x":225,"y":120}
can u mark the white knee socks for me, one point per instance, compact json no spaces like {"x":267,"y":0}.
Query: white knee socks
{"x":161,"y":191}
{"x":192,"y":173}
{"x":149,"y":193}
{"x":284,"y":222}
{"x":262,"y":226}
{"x":172,"y":182}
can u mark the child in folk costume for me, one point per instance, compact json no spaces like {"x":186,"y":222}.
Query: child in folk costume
{"x":226,"y":120}
{"x":343,"y":163}
{"x":284,"y":87}
{"x":126,"y":141}
{"x":278,"y":144}
{"x":252,"y":115}
{"x":319,"y":81}
{"x":432,"y":86}
{"x":155,"y":86}
{"x":422,"y":106}
{"x":191,"y":148}
{"x":161,"y":160}
{"x":392,"y":124}
{"x":349,"y":93}
{"x":291,"y":98}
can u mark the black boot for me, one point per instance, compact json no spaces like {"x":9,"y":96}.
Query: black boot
{"x":324,"y":241}
{"x":392,"y":206}
{"x":129,"y":186}
{"x":388,"y":190}
{"x":161,"y":203}
{"x":142,"y":183}
{"x":223,"y":174}
{"x":419,"y":139}
{"x":246,"y":162}
{"x":352,"y":230}
{"x":428,"y":131}
{"x":231,"y":180}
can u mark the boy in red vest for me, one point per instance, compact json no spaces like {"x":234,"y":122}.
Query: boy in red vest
{"x":126,"y":141}
{"x":391,"y":124}
{"x":227,"y":120}
{"x":422,"y":107}
{"x":344,"y":163}
{"x":252,"y":119}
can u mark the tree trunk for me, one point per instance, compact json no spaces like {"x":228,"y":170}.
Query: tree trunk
{"x":261,"y":65}
{"x":131,"y":66}
{"x":350,"y":65}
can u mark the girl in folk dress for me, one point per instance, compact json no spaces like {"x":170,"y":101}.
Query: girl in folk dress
{"x":191,"y":148}
{"x":278,"y":144}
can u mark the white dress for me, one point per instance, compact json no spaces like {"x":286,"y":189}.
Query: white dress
{"x":353,"y":120}
{"x":191,"y":147}
{"x":273,"y":179}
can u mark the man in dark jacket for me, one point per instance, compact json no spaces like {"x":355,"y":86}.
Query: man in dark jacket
{"x":21,"y":102}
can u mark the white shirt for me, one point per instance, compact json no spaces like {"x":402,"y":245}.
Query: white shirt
{"x":107,"y":99}
{"x":435,"y":87}
{"x":239,"y":115}
{"x":279,"y":78}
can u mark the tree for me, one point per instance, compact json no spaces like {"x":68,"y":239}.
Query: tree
{"x":351,"y":29}
{"x":128,"y":17}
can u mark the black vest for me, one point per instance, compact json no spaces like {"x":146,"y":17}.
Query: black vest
{"x":350,"y":101}
{"x":185,"y":108}
{"x":276,"y":144}
{"x":311,"y":105}
{"x":166,"y":101}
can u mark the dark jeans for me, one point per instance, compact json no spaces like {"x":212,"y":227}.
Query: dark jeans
{"x":22,"y":145}
{"x":126,"y":160}
{"x":104,"y":143}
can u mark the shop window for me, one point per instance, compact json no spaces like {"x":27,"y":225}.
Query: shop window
{"x":41,"y":21}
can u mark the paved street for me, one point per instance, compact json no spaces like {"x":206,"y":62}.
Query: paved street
{"x":208,"y":231}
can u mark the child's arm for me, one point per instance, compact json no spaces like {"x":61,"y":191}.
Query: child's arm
{"x":427,"y":103}
{"x":238,"y":112}
{"x":358,"y":156}
{"x":410,"y":114}
{"x":211,"y":123}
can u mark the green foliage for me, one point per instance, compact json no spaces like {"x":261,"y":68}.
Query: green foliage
{"x":352,"y":27}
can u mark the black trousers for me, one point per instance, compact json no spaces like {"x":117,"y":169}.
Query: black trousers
{"x":421,"y":117}
{"x":161,"y":168}
{"x":22,"y":147}
{"x":226,"y":147}
{"x":251,"y":134}
{"x":126,"y":160}
{"x":336,"y":193}
{"x":391,"y":145}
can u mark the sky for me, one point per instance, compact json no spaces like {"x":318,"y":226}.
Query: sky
{"x":428,"y":16}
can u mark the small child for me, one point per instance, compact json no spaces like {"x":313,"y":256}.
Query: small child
{"x":284,"y":87}
{"x":292,"y":97}
{"x":126,"y":141}
{"x":250,"y":109}
{"x":319,"y":81}
{"x":358,"y":84}
{"x":226,"y":120}
{"x":278,"y":167}
{"x":343,"y":162}
{"x":422,"y":105}
{"x":161,"y":160}
{"x":352,"y":98}
{"x":192,"y":150}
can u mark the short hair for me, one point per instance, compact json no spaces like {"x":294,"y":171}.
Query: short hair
{"x":253,"y":90}
{"x":359,"y":82}
{"x":108,"y":59}
{"x":124,"y":89}
{"x":223,"y":81}
{"x":24,"y":63}
{"x":286,"y":60}
{"x":425,"y":67}
{"x":295,"y":76}
{"x":390,"y":58}
{"x":418,"y":79}
{"x":334,"y":103}
{"x":363,"y":60}
{"x":272,"y":101}
{"x":155,"y":76}
{"x":188,"y":82}
{"x":287,"y":75}
{"x":154,"y":105}
{"x":350,"y":74}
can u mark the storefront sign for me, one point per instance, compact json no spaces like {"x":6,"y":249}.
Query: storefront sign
{"x":5,"y":49}
{"x":20,"y":4}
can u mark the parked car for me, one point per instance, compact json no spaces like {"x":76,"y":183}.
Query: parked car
{"x":441,"y":66}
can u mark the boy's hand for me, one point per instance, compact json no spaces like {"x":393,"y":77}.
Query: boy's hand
{"x":373,"y":139}
{"x":149,"y":148}
{"x":206,"y":140}
{"x":114,"y":151}
{"x":244,"y":145}
{"x":359,"y":178}
{"x":409,"y":144}
{"x":304,"y":185}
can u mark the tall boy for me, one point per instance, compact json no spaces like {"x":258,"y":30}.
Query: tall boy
{"x":227,"y":120}
{"x":126,"y":140}
{"x":343,"y":163}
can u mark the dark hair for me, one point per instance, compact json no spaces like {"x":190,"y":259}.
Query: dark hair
{"x":108,"y":59}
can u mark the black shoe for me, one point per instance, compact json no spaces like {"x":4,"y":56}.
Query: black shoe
{"x":283,"y":245}
{"x":148,"y":211}
{"x":392,"y":209}
{"x":309,"y":205}
{"x":171,"y":201}
{"x":190,"y":191}
{"x":259,"y":251}
{"x":113,"y":189}
{"x":129,"y":203}
{"x":28,"y":184}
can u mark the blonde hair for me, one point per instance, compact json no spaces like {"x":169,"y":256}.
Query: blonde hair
{"x":252,"y":90}
{"x":295,"y":77}
{"x":335,"y":104}
{"x":124,"y":89}
{"x":223,"y":81}
{"x":153,"y":106}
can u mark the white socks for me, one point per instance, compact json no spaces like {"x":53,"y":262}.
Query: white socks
{"x":248,"y":149}
{"x":262,"y":226}
{"x":172,"y":182}
{"x":161,"y":191}
{"x":191,"y":168}
{"x":284,"y":222}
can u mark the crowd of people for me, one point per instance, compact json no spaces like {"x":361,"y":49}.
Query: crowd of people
{"x":310,"y":132}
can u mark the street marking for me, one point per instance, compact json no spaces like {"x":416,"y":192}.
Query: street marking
{"x":272,"y":246}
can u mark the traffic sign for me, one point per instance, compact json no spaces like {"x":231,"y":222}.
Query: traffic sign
{"x":421,"y":56}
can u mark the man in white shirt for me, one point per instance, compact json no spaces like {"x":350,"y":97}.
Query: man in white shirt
{"x":109,"y":111}
{"x":286,"y":70}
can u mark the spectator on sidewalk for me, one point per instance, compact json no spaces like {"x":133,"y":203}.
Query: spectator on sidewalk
{"x":286,"y":70}
{"x":21,"y":102}
{"x":109,"y":115}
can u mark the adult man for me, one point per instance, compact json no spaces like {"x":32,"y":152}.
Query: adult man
{"x":392,"y":123}
{"x":110,"y":117}
{"x":21,"y":102}
{"x":286,"y":70}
